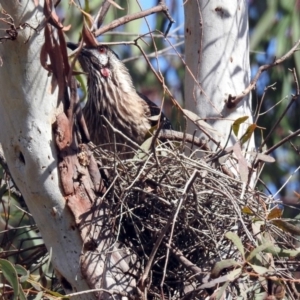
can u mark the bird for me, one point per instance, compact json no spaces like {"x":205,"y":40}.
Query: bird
{"x":111,"y":94}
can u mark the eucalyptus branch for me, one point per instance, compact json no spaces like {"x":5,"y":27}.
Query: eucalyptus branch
{"x":294,"y":98}
{"x":286,"y":139}
{"x":233,"y":101}
{"x":141,"y":14}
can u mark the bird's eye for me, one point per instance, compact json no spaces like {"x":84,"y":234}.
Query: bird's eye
{"x":102,"y":50}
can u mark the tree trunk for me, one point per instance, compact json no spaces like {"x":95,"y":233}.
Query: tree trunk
{"x":217,"y":56}
{"x":27,"y":112}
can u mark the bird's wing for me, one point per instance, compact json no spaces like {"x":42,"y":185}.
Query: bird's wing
{"x":154,"y":110}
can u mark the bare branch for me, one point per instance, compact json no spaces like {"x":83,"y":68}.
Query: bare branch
{"x":294,"y":98}
{"x":233,"y":101}
{"x":173,"y":135}
{"x":286,"y":139}
{"x":123,"y":20}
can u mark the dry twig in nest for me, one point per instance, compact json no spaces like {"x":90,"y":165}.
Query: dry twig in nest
{"x":173,"y":212}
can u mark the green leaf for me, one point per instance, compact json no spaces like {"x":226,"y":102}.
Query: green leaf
{"x":248,"y":133}
{"x":236,"y":241}
{"x":234,"y":274}
{"x":221,"y":265}
{"x":21,"y":293}
{"x":39,"y":296}
{"x":236,"y":124}
{"x":23,"y":272}
{"x":242,"y":162}
{"x":281,"y":32}
{"x":262,"y":157}
{"x":275,"y":250}
{"x":86,"y":6}
{"x":260,"y":248}
{"x":10,"y":274}
{"x":259,"y":269}
{"x":214,"y":282}
{"x":288,"y":5}
{"x":264,"y":25}
{"x":222,"y":290}
{"x":283,"y":252}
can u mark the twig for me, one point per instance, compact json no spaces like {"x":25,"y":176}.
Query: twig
{"x":258,"y":109}
{"x":234,"y":100}
{"x":123,"y":20}
{"x":286,"y":182}
{"x":154,"y":54}
{"x":182,"y":199}
{"x":138,"y":176}
{"x":294,"y":98}
{"x":143,"y":279}
{"x":282,"y":141}
{"x":187,"y":263}
{"x":123,"y":135}
{"x":135,"y":35}
{"x":173,"y":135}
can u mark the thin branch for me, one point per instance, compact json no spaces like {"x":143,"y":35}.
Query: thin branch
{"x":294,"y":98}
{"x":258,"y":109}
{"x":173,"y":135}
{"x":135,"y":35}
{"x":233,"y":101}
{"x":123,"y":20}
{"x":286,"y":139}
{"x":154,"y":54}
{"x":176,"y":104}
{"x":187,"y":263}
{"x":180,"y":204}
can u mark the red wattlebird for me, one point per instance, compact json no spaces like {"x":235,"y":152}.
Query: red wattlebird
{"x":111,"y":94}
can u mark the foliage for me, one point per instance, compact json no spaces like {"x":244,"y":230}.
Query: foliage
{"x":274,"y":30}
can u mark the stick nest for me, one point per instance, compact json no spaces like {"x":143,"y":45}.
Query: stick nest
{"x":183,"y":220}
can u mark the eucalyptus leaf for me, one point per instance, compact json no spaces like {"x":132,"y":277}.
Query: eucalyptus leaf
{"x":236,"y":241}
{"x":221,"y":265}
{"x":263,"y":26}
{"x":222,"y":290}
{"x":259,"y":269}
{"x":260,"y":248}
{"x":10,"y":275}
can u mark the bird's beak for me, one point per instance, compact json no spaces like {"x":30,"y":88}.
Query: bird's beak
{"x":72,"y":46}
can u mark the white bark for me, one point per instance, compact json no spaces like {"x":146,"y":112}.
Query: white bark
{"x":217,"y":54}
{"x":27,"y":111}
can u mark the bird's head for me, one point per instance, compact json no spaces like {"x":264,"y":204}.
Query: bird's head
{"x":99,"y":58}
